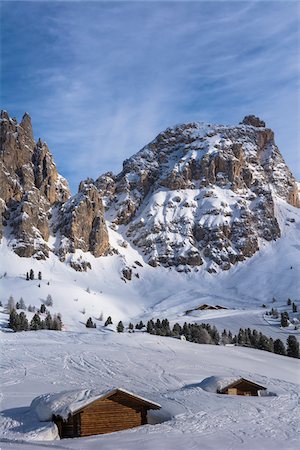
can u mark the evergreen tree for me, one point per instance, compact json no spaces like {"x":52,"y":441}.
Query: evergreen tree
{"x":31,"y":308}
{"x":10,"y":303}
{"x":14,"y":320}
{"x":130,"y":326}
{"x":224,"y":337}
{"x":40,"y":275}
{"x":284,"y":319}
{"x":139,"y":325}
{"x":120,"y":327}
{"x":279,"y":347}
{"x":22,"y":304}
{"x":177,"y":330}
{"x":264,"y":343}
{"x":57,"y":322}
{"x":42,"y":308}
{"x":292,"y":347}
{"x":48,"y":322}
{"x":214,"y":334}
{"x":90,"y":323}
{"x":150,"y":327}
{"x":108,"y":321}
{"x":49,"y":300}
{"x":241,"y":339}
{"x":35,"y":323}
{"x":23,"y":322}
{"x":31,"y":274}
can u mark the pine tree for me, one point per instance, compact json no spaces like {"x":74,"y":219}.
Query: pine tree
{"x":292,"y":347}
{"x":224,"y":337}
{"x":150,"y":327}
{"x":90,"y":323}
{"x":42,"y":308}
{"x":10,"y":303}
{"x":49,"y":322}
{"x":23,"y":322}
{"x":57,"y":322}
{"x":108,"y":321}
{"x":139,"y":325}
{"x":279,"y":347}
{"x":284,"y":319}
{"x":214,"y":334}
{"x":14,"y":320}
{"x":40,"y":275}
{"x":31,"y":274}
{"x":177,"y":329}
{"x":49,"y":300}
{"x":264,"y":343}
{"x":35,"y":323}
{"x":120,"y":327}
{"x":22,"y":303}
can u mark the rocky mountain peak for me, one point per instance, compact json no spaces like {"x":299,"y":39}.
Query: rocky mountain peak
{"x":253,"y":121}
{"x":201,"y":194}
{"x":197,"y":195}
{"x":32,"y":191}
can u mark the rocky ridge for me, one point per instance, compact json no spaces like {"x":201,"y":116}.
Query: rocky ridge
{"x":35,"y":200}
{"x":197,"y":195}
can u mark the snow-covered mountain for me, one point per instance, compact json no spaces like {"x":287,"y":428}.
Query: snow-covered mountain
{"x":204,"y":213}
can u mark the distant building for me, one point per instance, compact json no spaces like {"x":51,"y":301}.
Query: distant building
{"x":242,"y":387}
{"x":115,"y":410}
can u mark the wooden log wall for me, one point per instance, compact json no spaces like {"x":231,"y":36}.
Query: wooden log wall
{"x":112,"y":414}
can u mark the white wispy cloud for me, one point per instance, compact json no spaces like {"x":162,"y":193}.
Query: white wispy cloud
{"x":106,"y":77}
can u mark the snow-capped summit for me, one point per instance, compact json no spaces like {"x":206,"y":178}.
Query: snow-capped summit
{"x":201,"y":194}
{"x":197,"y":195}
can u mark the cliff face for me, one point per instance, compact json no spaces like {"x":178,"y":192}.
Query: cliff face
{"x":201,"y":194}
{"x":196,"y":195}
{"x":32,"y":191}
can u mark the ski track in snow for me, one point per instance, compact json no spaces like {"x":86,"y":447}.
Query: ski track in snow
{"x":166,"y":370}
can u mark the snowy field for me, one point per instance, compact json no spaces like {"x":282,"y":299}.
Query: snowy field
{"x":165,"y":370}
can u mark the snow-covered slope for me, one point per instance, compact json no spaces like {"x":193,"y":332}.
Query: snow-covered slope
{"x":167,"y":371}
{"x":161,"y":292}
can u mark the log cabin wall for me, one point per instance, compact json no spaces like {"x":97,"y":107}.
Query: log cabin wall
{"x":112,"y":414}
{"x":243,"y":388}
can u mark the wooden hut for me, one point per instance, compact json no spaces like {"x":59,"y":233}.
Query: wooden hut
{"x":242,"y":387}
{"x":113,"y":411}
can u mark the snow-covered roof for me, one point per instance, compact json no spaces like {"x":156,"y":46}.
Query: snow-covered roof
{"x":68,"y":402}
{"x":217,"y":384}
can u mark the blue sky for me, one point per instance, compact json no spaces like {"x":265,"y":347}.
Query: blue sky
{"x":101,"y":79}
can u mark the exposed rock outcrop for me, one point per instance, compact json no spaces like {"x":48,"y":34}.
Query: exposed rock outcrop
{"x":80,"y":223}
{"x":30,"y":186}
{"x":201,"y":194}
{"x":35,"y":200}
